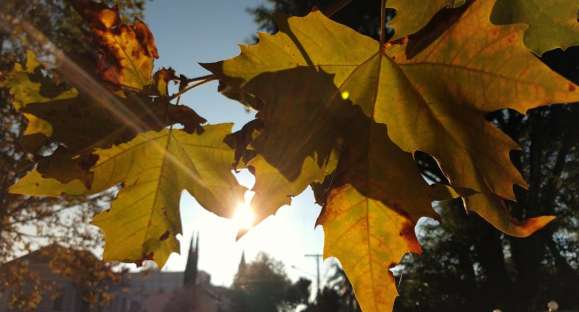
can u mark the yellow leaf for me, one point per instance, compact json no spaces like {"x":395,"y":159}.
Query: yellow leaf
{"x":552,"y":24}
{"x":25,"y":90}
{"x":369,"y":215}
{"x":433,"y":100}
{"x":368,"y":237}
{"x":371,"y":170}
{"x":412,"y":15}
{"x":273,"y":189}
{"x":81,"y":122}
{"x":34,"y":184}
{"x":152,"y":170}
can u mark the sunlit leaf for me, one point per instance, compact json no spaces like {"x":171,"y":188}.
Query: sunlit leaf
{"x":434,"y":102}
{"x":152,"y":170}
{"x":412,"y":15}
{"x":27,"y":84}
{"x":552,"y":24}
{"x":368,"y":237}
{"x":81,"y":122}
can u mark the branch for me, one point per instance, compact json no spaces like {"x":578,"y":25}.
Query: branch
{"x":334,"y":8}
{"x":200,"y":80}
{"x":382,"y":23}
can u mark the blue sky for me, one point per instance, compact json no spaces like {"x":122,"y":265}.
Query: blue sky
{"x":188,"y":32}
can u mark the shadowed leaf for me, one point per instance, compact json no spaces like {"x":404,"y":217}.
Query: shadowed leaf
{"x":127,"y":50}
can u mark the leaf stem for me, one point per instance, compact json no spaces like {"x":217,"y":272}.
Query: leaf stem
{"x":210,"y":76}
{"x":199,"y":81}
{"x":382,"y":23}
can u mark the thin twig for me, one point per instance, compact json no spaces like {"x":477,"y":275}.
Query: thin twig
{"x":382,"y":23}
{"x":199,"y":81}
{"x":334,"y":8}
{"x":210,"y":76}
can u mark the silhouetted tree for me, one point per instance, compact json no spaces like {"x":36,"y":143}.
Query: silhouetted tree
{"x":337,"y":294}
{"x":263,"y":286}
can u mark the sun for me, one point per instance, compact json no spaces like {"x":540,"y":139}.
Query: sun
{"x":244,"y":215}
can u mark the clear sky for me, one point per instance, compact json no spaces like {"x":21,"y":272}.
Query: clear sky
{"x":191,"y":31}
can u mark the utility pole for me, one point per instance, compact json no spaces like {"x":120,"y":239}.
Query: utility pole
{"x":318,"y":258}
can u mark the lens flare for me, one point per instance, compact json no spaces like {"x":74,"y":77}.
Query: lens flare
{"x":244,"y":215}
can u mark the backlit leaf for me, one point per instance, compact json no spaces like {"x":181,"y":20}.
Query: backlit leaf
{"x":26,"y":84}
{"x":434,"y":102}
{"x":152,"y":170}
{"x":81,"y":122}
{"x":287,"y":162}
{"x":372,"y":206}
{"x":552,"y":24}
{"x":412,"y":15}
{"x":368,"y":238}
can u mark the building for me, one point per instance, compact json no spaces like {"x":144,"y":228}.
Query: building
{"x":147,"y":291}
{"x":49,"y":275}
{"x":188,"y":291}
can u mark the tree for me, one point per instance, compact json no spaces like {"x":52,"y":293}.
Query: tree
{"x":263,"y":286}
{"x":337,"y":295}
{"x":367,"y":119}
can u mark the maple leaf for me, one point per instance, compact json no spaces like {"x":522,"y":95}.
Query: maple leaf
{"x":26,"y":84}
{"x":370,"y":207}
{"x":81,"y":121}
{"x":434,"y":102}
{"x":284,"y":165}
{"x":374,"y":178}
{"x":368,"y":237}
{"x":413,"y":15}
{"x":127,"y":50}
{"x":152,"y":169}
{"x":552,"y":24}
{"x":93,"y":125}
